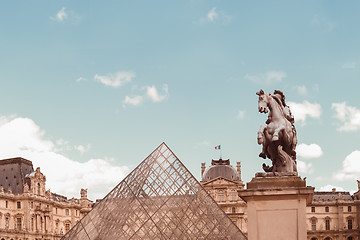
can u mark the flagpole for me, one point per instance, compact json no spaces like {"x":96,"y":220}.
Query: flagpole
{"x":220,"y":152}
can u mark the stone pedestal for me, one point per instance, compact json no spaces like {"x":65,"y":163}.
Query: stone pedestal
{"x":276,"y":207}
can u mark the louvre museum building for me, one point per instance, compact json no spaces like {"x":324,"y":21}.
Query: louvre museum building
{"x":160,"y":199}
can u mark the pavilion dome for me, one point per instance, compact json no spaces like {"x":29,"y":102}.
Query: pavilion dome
{"x":220,"y":168}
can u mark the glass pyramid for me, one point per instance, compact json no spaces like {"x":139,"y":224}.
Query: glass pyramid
{"x":159,"y":199}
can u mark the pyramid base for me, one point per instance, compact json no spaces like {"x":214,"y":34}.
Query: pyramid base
{"x":276,"y":207}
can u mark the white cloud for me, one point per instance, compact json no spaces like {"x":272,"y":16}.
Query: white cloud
{"x":116,"y":80}
{"x":150,"y":94}
{"x":215,"y":16}
{"x":323,"y":23}
{"x":268,"y":78}
{"x":212,"y":14}
{"x":81,"y":79}
{"x":82,"y":149}
{"x":240,"y":115}
{"x":349,"y":65}
{"x":153,"y":94}
{"x":350,"y":167}
{"x":135,"y":101}
{"x":21,"y":137}
{"x":348,"y":116}
{"x":303,"y":110}
{"x":60,"y":16}
{"x":302,"y":90}
{"x":66,"y":16}
{"x":329,"y":188}
{"x":309,"y":151}
{"x":304,"y":167}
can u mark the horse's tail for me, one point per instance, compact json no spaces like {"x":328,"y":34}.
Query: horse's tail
{"x":286,"y":161}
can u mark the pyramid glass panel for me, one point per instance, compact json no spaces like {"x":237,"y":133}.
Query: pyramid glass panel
{"x":159,"y":199}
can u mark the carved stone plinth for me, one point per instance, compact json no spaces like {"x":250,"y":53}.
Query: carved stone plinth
{"x":276,"y":207}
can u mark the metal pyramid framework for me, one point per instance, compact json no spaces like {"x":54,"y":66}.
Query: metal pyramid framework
{"x":159,"y":199}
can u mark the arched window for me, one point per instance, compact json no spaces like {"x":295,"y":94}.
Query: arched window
{"x":350,"y":238}
{"x":328,"y":238}
{"x":314,"y":238}
{"x":38,"y":189}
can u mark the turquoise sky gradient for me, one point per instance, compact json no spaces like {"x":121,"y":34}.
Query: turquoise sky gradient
{"x":194,"y":68}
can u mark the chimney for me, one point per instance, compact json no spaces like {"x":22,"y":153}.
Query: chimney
{"x":238,"y":168}
{"x":202,"y":169}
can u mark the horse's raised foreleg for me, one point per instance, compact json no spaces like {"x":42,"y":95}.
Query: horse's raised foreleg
{"x":261,"y":140}
{"x":261,"y":136}
{"x":276,"y":133}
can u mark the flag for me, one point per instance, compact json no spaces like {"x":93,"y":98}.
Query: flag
{"x":217,"y":147}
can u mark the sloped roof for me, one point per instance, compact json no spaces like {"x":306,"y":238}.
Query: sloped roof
{"x":332,"y":196}
{"x":159,"y":199}
{"x":13,"y":172}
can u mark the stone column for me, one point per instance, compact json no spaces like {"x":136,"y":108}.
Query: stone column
{"x":276,"y":206}
{"x":202,"y":169}
{"x":238,"y":168}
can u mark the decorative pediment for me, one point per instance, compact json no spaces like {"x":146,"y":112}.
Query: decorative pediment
{"x":220,"y":181}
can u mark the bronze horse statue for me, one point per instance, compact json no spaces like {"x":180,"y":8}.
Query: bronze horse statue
{"x":278,"y":137}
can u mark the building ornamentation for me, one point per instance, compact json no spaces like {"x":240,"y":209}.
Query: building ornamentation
{"x":28,"y":211}
{"x":332,"y":215}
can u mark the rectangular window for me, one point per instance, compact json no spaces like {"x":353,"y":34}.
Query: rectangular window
{"x":18,"y":204}
{"x":55,"y":210}
{"x":32,"y":224}
{"x":18,"y":223}
{"x":67,"y":227}
{"x":350,"y":224}
{"x":313,"y":224}
{"x":67,"y":212}
{"x":327,"y":224}
{"x":6,"y":204}
{"x":349,"y":208}
{"x":31,"y":205}
{"x":76,"y":212}
{"x":326,"y":209}
{"x":312,"y":209}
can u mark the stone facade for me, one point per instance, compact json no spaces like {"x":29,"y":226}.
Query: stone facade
{"x":216,"y":182}
{"x":30,"y":212}
{"x":331,"y":215}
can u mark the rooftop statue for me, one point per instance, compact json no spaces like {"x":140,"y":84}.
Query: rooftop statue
{"x":278,"y":136}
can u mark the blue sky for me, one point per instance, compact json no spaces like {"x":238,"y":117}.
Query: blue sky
{"x":89,"y":89}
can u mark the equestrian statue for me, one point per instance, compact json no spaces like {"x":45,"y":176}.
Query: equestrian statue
{"x":278,"y":136}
